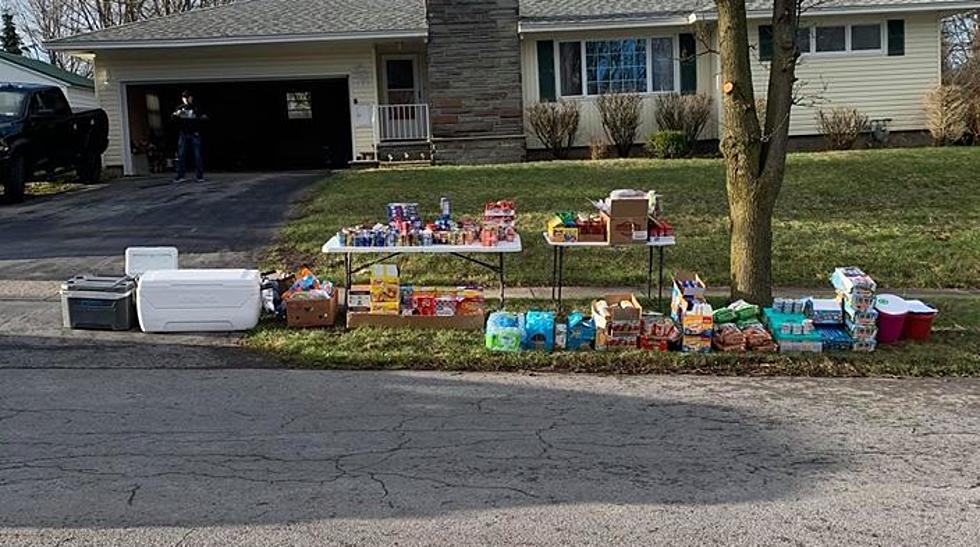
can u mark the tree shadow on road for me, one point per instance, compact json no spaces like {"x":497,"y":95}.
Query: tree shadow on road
{"x":123,"y":448}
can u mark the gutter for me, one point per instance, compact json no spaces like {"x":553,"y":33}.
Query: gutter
{"x":81,"y":46}
{"x":536,"y":27}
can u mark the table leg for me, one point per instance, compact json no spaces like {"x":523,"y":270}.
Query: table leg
{"x":650,"y":273}
{"x":348,"y":273}
{"x":554,"y":273}
{"x":561,"y":274}
{"x":500,"y":270}
{"x":660,"y":289}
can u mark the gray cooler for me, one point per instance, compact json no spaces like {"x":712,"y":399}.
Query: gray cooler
{"x":98,"y":303}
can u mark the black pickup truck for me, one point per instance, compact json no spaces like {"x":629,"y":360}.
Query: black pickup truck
{"x":41,"y":135}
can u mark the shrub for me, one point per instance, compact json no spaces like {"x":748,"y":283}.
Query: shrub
{"x":947,"y":110}
{"x":620,"y":114}
{"x":667,"y":145}
{"x":598,"y":149}
{"x":555,"y":125}
{"x":841,"y":126}
{"x":685,"y":113}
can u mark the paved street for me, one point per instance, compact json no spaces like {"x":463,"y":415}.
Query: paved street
{"x":201,"y":445}
{"x":221,"y":223}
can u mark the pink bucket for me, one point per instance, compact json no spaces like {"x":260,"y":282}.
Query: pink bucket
{"x":892,"y":312}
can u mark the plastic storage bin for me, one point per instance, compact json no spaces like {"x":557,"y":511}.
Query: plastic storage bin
{"x":892,"y":311}
{"x":918,"y":323}
{"x":140,"y":260}
{"x":199,"y":300}
{"x":98,"y":303}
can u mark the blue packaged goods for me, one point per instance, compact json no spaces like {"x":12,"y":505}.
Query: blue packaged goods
{"x":581,"y":332}
{"x":861,"y":332}
{"x":835,"y":338}
{"x":538,"y":331}
{"x":503,"y":332}
{"x":864,"y":317}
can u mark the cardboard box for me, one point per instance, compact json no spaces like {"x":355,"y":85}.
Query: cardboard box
{"x":688,"y":284}
{"x":625,"y":230}
{"x":630,"y":207}
{"x":697,"y":344}
{"x":564,"y":234}
{"x":311,"y":313}
{"x":359,"y":298}
{"x":418,"y":322}
{"x":615,"y":314}
{"x":384,"y":283}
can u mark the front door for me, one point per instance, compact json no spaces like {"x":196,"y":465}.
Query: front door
{"x":401,"y":80}
{"x":401,"y":117}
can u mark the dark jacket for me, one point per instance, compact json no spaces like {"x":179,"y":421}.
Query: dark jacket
{"x":190,"y":119}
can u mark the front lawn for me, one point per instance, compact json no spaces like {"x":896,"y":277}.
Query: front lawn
{"x":910,"y":217}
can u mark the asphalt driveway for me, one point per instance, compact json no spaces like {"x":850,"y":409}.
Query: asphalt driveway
{"x":224,"y":222}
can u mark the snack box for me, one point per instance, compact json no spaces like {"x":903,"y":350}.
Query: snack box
{"x":861,"y":332}
{"x":852,"y":279}
{"x":825,"y":311}
{"x":416,"y":322}
{"x":604,"y":342}
{"x":696,"y":324}
{"x":563,"y":234}
{"x":863,"y":317}
{"x":696,"y":344}
{"x":359,"y":298}
{"x":857,"y":301}
{"x":385,"y":308}
{"x":800,"y":346}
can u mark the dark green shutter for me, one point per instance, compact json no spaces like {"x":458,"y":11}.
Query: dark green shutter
{"x":689,"y":64}
{"x":765,"y":42}
{"x":896,"y":37}
{"x":546,"y":70}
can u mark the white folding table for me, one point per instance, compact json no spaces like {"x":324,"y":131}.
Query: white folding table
{"x":558,"y":263}
{"x":502,"y":248}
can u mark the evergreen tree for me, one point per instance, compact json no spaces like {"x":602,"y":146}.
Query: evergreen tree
{"x":10,"y":40}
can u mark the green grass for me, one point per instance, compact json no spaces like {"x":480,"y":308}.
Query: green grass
{"x":910,"y":217}
{"x":953,"y":351}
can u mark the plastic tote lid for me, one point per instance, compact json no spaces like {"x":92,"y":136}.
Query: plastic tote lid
{"x":891,"y":304}
{"x":118,"y":285}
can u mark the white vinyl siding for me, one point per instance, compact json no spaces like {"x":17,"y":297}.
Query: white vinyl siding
{"x":79,"y":98}
{"x":591,"y":125}
{"x":356,"y":62}
{"x":876,"y":84}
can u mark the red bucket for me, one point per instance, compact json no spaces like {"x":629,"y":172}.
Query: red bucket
{"x":892,"y":311}
{"x":918,"y":324}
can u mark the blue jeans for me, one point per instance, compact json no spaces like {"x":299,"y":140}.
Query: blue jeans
{"x":192,"y":141}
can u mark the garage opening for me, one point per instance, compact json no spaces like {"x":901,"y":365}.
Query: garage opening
{"x":252,"y":126}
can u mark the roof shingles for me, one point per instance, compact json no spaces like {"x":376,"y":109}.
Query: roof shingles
{"x":266,"y":18}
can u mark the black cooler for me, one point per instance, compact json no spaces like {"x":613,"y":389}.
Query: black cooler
{"x":98,"y":303}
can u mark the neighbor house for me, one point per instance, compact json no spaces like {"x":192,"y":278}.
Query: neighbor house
{"x":295,"y":83}
{"x":79,"y":90}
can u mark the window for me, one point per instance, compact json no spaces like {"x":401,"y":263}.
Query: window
{"x":616,"y":66}
{"x":662,"y":53}
{"x":570,"y":54}
{"x":831,"y":39}
{"x":865,"y":37}
{"x":299,"y":105}
{"x":803,"y":39}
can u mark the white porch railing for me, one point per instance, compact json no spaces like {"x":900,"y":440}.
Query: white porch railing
{"x":401,"y":122}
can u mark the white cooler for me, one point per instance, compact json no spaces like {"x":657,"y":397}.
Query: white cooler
{"x":199,"y":300}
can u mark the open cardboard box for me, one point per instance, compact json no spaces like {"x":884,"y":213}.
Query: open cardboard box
{"x":616,"y":314}
{"x":311,"y":313}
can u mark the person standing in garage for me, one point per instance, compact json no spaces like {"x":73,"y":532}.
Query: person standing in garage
{"x":190,"y":121}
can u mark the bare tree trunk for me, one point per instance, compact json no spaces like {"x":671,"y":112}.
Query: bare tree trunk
{"x":755,"y":155}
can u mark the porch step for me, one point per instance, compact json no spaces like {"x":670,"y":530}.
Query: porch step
{"x":404,"y":163}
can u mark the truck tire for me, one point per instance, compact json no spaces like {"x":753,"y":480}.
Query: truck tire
{"x":89,"y":169}
{"x":13,"y":185}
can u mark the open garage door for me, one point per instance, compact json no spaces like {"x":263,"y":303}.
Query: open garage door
{"x":253,"y":126}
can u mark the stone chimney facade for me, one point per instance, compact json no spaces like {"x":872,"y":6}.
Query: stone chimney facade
{"x":474,"y":78}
